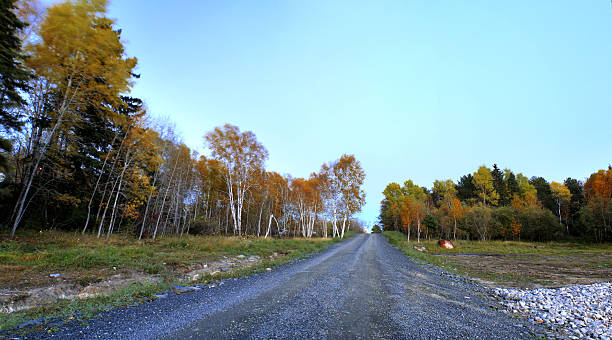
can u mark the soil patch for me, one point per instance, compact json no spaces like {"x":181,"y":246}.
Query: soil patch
{"x":533,"y":271}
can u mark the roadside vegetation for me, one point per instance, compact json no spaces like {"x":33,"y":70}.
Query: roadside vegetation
{"x":151,"y":266}
{"x":516,"y":263}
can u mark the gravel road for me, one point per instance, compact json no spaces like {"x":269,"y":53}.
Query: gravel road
{"x":359,"y":288}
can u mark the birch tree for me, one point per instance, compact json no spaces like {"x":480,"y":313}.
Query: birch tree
{"x":242,"y":156}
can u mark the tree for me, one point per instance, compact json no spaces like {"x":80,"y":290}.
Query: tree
{"x":561,"y":195}
{"x":242,"y":156}
{"x":457,"y":212}
{"x":479,"y":219}
{"x":79,"y":61}
{"x":341,"y":182}
{"x":466,"y":190}
{"x":13,"y":76}
{"x":444,"y":191}
{"x":350,"y":175}
{"x":525,"y":188}
{"x":392,"y":193}
{"x":412,"y":206}
{"x":576,"y":202}
{"x":543,"y":191}
{"x":511,"y":183}
{"x":500,"y":186}
{"x":483,"y":181}
{"x":598,"y":197}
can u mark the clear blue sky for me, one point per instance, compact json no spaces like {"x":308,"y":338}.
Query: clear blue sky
{"x":419,"y":90}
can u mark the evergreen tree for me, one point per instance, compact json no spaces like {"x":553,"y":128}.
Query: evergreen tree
{"x":500,"y":186}
{"x":466,"y":191}
{"x":13,"y":78}
{"x":511,"y":183}
{"x":543,"y":192}
{"x":576,"y":203}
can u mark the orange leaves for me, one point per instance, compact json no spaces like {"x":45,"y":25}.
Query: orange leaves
{"x":456,"y":208}
{"x":599,"y":186}
{"x":523,"y":203}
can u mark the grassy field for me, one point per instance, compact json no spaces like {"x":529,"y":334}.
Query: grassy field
{"x":27,"y":262}
{"x":517,"y":264}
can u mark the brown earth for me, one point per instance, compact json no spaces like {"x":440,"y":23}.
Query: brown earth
{"x":22,"y":288}
{"x":533,"y":271}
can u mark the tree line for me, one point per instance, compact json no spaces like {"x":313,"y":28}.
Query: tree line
{"x":494,"y":204}
{"x":79,"y":153}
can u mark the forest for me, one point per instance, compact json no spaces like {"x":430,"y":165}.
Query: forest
{"x":78,"y":153}
{"x":495,"y":204}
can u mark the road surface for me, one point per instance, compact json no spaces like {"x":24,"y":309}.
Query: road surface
{"x":361,"y":288}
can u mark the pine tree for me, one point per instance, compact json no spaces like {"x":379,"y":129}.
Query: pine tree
{"x":500,"y":186}
{"x":13,"y":78}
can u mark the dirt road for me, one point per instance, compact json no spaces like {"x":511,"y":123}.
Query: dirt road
{"x":360,"y":288}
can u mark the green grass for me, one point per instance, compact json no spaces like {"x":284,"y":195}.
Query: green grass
{"x":400,"y":241}
{"x":83,"y":255}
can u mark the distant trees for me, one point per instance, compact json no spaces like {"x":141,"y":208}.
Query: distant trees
{"x":496,"y":204}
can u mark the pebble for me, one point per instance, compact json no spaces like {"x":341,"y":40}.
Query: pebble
{"x":582,"y":311}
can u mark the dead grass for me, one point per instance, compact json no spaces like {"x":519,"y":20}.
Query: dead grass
{"x":518,"y":264}
{"x":28,"y":260}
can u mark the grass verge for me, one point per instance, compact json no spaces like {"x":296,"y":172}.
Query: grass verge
{"x":27,"y":262}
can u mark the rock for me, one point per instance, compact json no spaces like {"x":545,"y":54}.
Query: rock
{"x":240,"y":256}
{"x":30,"y":323}
{"x":253,"y":258}
{"x":159,"y":296}
{"x":90,"y":291}
{"x":181,"y":289}
{"x":582,"y":310}
{"x":446,"y":244}
{"x":268,"y":269}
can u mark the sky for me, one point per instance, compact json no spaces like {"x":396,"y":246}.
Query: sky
{"x":419,"y":90}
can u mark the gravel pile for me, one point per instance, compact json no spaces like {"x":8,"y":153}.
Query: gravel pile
{"x":583,"y":311}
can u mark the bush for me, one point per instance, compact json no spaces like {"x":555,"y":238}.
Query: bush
{"x":540,"y":225}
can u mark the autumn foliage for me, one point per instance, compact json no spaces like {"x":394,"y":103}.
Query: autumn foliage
{"x":495,"y":204}
{"x":87,"y":157}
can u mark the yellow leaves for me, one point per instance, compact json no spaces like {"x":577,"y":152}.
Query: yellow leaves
{"x":483,"y":180}
{"x":80,"y":55}
{"x":560,"y":192}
